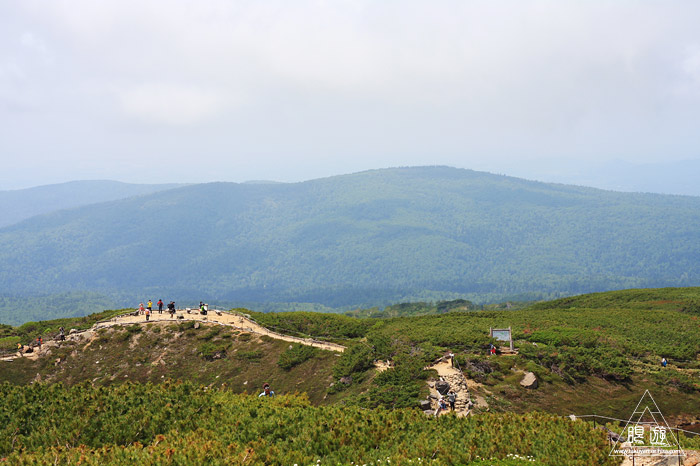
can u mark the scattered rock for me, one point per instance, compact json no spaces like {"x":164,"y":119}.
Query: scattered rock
{"x":72,"y":331}
{"x":529,"y":380}
{"x":442,"y":387}
{"x":196,"y":325}
{"x":431,"y":384}
{"x":57,"y":362}
{"x":572,"y":417}
{"x":346,"y":380}
{"x":425,"y":405}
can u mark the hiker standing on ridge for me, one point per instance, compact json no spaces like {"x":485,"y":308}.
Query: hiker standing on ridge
{"x":149,"y":305}
{"x":148,"y":313}
{"x":62,"y":334}
{"x":160,"y":306}
{"x":266,"y":390}
{"x":171,"y":308}
{"x":451,"y":397}
{"x":141,"y":309}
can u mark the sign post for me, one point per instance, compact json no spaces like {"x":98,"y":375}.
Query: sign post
{"x":502,"y":334}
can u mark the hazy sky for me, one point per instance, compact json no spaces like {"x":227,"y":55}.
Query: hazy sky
{"x":193,"y":91}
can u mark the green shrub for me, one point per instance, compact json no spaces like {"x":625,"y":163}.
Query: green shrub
{"x":252,"y":355}
{"x":210,"y":350}
{"x":355,"y":359}
{"x":295,"y":355}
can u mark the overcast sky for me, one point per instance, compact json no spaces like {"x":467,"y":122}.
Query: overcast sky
{"x":194,"y":91}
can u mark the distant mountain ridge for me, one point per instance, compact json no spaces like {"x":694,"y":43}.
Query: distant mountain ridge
{"x":369,"y":238}
{"x":21,"y":204}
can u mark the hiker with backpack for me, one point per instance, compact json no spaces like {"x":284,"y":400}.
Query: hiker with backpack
{"x":171,"y":308}
{"x":160,"y":306}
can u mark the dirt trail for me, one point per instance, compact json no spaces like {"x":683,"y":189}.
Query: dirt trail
{"x":458,"y":383}
{"x":218,"y":317}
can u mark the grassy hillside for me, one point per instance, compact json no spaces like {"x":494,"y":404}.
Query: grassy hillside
{"x":211,"y":355}
{"x":591,"y":354}
{"x":372,"y":238}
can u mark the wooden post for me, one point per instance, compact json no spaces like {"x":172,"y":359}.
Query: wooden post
{"x":510,"y":332}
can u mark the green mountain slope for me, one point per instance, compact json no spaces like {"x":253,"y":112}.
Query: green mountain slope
{"x":370,"y":238}
{"x":21,"y":204}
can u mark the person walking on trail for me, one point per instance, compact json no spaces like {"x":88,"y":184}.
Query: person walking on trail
{"x":452,"y":359}
{"x":664,"y":362}
{"x":149,"y":305}
{"x":141,"y":309}
{"x":62,"y":334}
{"x":451,"y":397}
{"x":40,"y":341}
{"x":20,"y":348}
{"x":148,"y":314}
{"x":266,"y":391}
{"x":171,"y":308}
{"x":160,"y":306}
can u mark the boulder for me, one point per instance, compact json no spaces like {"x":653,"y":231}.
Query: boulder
{"x":196,"y":325}
{"x":72,"y":331}
{"x":529,"y":380}
{"x":442,"y":387}
{"x":425,"y":405}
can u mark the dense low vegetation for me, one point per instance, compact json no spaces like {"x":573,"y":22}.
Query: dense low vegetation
{"x":601,"y":344}
{"x":618,"y":337}
{"x":183,"y":424}
{"x":342,"y":242}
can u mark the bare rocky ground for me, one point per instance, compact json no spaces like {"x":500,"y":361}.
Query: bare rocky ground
{"x":456,"y":381}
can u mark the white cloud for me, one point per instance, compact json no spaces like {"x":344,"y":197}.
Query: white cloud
{"x":355,"y":83}
{"x":690,"y":65}
{"x":169,"y":104}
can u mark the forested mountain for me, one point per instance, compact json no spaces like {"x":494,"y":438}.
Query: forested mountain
{"x":370,"y":238}
{"x":18,"y":205}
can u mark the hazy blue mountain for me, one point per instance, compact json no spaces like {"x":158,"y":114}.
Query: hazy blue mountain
{"x":672,"y":177}
{"x":369,"y":238}
{"x":18,"y":205}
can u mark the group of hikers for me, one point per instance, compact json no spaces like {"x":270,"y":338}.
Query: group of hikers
{"x":442,"y":403}
{"x":29,"y":348}
{"x":148,"y":309}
